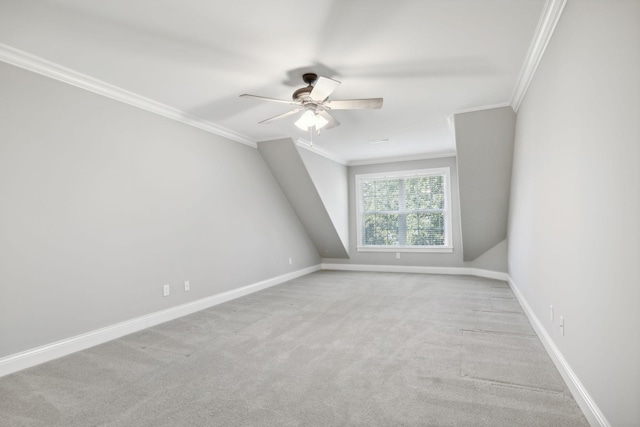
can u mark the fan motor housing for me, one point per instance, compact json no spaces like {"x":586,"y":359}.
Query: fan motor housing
{"x":304,"y":92}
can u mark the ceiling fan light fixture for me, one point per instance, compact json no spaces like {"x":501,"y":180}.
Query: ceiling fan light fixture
{"x":313,"y":101}
{"x":320,"y":121}
{"x":310,"y":119}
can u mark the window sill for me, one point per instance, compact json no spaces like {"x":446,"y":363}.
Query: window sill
{"x":442,"y":249}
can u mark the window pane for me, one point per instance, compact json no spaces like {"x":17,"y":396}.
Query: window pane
{"x":391,"y":210}
{"x":380,"y":229}
{"x":368,"y":196}
{"x":417,"y":193}
{"x":425,"y":229}
{"x":380,"y":195}
{"x":425,"y":192}
{"x":436,"y":193}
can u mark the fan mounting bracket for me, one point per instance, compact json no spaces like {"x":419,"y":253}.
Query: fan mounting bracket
{"x":309,"y":78}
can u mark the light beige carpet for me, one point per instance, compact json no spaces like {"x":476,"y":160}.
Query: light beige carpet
{"x":328,"y":349}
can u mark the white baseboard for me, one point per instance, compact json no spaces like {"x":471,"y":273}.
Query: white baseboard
{"x":36,"y":356}
{"x":489,"y":274}
{"x":583,"y":398}
{"x":394,"y":268}
{"x":418,"y":269}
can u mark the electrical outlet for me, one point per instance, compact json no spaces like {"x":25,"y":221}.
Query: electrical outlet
{"x":187,"y":286}
{"x":290,"y":261}
{"x":551,"y":313}
{"x":165,"y":290}
{"x":397,"y":255}
{"x":562,"y":325}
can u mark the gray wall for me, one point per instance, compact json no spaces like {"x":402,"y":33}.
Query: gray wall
{"x":331,"y":182}
{"x":102,"y":203}
{"x":484,"y":146}
{"x":406,"y":258}
{"x":574,"y":235}
{"x":283,"y":158}
{"x":495,"y":259}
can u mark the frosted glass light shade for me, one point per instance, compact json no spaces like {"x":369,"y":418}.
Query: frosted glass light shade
{"x":310,"y":119}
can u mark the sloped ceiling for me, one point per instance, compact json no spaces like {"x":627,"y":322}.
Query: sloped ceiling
{"x":295,"y":180}
{"x":428,"y":59}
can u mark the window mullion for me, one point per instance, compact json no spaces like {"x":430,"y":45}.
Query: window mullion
{"x":402,"y":214}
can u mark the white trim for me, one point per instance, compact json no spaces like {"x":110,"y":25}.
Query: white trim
{"x":401,"y":159}
{"x":39,"y":65}
{"x":433,"y":249}
{"x":404,"y":173}
{"x":457,"y":195}
{"x":546,"y":26}
{"x":483,"y":108}
{"x":320,"y":151}
{"x":583,"y":398}
{"x":301,"y":142}
{"x":36,"y":356}
{"x":489,"y":274}
{"x":465,"y":271}
{"x":395,"y":268}
{"x":451,"y":120}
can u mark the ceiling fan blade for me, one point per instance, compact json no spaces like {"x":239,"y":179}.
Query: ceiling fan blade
{"x":355,"y":104}
{"x":281,"y":116}
{"x":264,"y":98}
{"x":323,"y":88}
{"x":328,"y":117}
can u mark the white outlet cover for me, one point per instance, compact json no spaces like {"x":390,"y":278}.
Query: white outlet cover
{"x":187,"y":286}
{"x":165,"y":290}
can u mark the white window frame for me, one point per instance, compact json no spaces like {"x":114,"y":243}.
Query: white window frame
{"x":446,"y":248}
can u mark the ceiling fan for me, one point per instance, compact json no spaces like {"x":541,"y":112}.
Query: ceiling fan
{"x":313,"y":101}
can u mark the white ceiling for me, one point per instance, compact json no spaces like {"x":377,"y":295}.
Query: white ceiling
{"x":427,"y":58}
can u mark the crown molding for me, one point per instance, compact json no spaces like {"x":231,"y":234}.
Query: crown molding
{"x":52,"y":70}
{"x":303,"y":143}
{"x":401,"y":159}
{"x":300,"y":142}
{"x":451,"y":121}
{"x":546,"y":26}
{"x":483,"y":108}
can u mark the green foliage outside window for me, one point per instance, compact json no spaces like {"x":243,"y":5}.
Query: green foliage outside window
{"x":403,"y":211}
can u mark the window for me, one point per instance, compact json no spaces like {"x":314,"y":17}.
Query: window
{"x":404,"y":211}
